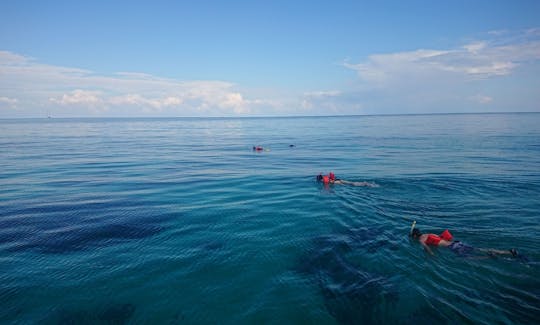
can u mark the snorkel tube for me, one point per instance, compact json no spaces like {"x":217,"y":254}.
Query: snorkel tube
{"x":412,"y":228}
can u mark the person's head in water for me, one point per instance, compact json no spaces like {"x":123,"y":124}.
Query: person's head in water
{"x":416,"y":233}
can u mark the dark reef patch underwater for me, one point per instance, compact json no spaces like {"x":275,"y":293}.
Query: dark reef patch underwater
{"x":116,"y":314}
{"x":351,"y":295}
{"x":57,"y":228}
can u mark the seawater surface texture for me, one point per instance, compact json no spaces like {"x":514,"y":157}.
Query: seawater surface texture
{"x":179,"y":221}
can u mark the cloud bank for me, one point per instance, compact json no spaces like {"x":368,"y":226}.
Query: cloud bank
{"x":478,"y":60}
{"x":476,"y":72}
{"x":498,"y":73}
{"x":132,"y":94}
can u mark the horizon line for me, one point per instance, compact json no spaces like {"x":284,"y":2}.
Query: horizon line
{"x":261,"y":116}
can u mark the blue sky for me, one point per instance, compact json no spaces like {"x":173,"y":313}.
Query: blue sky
{"x":266,"y":58}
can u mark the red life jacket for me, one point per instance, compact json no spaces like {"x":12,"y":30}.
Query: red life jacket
{"x":446,"y":235}
{"x":433,"y":240}
{"x":332,"y":176}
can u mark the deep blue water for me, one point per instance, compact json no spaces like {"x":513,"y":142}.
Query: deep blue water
{"x":178,"y":221}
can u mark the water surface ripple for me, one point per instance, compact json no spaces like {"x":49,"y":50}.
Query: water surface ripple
{"x":179,"y":221}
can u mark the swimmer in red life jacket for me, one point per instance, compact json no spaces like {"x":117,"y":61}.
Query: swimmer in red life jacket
{"x":260,"y":149}
{"x":331,"y":179}
{"x":326,"y":179}
{"x":457,"y":247}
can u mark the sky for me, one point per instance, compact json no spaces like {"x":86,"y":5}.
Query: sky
{"x":267,"y":58}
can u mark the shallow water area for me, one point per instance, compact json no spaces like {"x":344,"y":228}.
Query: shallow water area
{"x":179,"y":221}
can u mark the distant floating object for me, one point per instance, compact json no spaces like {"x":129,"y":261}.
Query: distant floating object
{"x":260,"y":149}
{"x":292,"y":146}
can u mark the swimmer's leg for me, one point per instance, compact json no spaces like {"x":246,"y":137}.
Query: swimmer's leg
{"x":512,"y":252}
{"x":493,"y":252}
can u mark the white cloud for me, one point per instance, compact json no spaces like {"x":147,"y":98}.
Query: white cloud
{"x":139,"y":100}
{"x":235,"y":101}
{"x":475,"y":47}
{"x":204,"y":98}
{"x":330,"y":102}
{"x":319,"y":94}
{"x":79,"y":97}
{"x":381,"y":69}
{"x":475,"y":60}
{"x":423,"y":80}
{"x":318,"y":99}
{"x":9,"y":58}
{"x":481,"y":99}
{"x":8,"y":102}
{"x":44,"y":85}
{"x":448,"y":79}
{"x":172,"y":101}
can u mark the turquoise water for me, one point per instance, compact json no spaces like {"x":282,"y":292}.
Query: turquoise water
{"x":178,"y":221}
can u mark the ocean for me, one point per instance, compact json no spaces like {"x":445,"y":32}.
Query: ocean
{"x":180,"y":221}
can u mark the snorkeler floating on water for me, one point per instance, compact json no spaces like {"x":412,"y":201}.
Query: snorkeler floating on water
{"x":457,"y":247}
{"x":331,"y":179}
{"x":260,"y":149}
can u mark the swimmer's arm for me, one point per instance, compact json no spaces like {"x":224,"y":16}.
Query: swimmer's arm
{"x":426,"y":247}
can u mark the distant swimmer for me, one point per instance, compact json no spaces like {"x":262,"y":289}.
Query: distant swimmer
{"x":331,"y":179}
{"x":457,"y":247}
{"x":259,"y":149}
